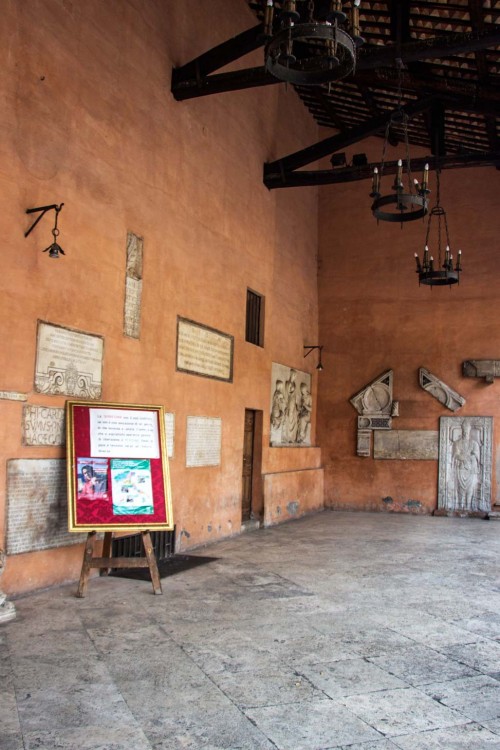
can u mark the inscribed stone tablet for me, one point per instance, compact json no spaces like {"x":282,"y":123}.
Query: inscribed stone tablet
{"x":203,"y":441}
{"x":68,"y":362}
{"x":204,"y":351}
{"x":43,"y":425}
{"x":37,"y":508}
{"x":170,"y":433}
{"x":406,"y":445}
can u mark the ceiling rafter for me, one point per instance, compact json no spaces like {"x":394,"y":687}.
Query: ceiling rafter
{"x":415,"y":50}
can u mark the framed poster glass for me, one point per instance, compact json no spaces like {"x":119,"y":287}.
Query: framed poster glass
{"x":117,"y":467}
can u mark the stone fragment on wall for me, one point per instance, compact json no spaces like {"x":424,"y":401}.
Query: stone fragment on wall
{"x":43,"y":425}
{"x":13,"y":396}
{"x":37,"y":507}
{"x":442,"y":392}
{"x":489,"y":369}
{"x":364,"y":443}
{"x":465,"y":465}
{"x":68,"y":362}
{"x":421,"y":445}
{"x":7,"y":609}
{"x":374,"y":423}
{"x":375,"y":399}
{"x":133,"y":286}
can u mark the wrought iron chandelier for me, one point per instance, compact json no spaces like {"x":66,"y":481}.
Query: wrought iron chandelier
{"x":444,"y":274}
{"x":314,"y":52}
{"x":402,"y":204}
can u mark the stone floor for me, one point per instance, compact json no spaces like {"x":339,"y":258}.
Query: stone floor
{"x":359,"y":631}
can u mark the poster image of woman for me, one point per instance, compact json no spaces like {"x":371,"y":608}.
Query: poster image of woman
{"x":92,"y":478}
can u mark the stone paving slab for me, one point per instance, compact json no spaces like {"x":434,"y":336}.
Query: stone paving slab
{"x":372,"y":635}
{"x":463,"y":737}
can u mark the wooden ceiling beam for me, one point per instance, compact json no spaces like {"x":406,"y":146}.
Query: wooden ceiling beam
{"x":337,"y":142}
{"x":340,"y":175}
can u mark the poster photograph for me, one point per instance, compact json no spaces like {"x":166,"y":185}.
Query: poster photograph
{"x":117,"y":467}
{"x":291,"y":407}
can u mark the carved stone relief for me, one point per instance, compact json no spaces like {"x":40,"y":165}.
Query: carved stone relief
{"x":7,"y":609}
{"x":375,"y":406}
{"x":489,"y":369}
{"x":375,"y":399}
{"x":374,"y":423}
{"x":442,"y":392}
{"x":465,"y":458}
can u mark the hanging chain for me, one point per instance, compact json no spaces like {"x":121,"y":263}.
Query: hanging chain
{"x":310,"y":8}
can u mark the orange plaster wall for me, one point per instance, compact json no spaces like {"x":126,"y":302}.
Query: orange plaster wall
{"x":89,"y":120}
{"x":292,"y":494}
{"x":374,"y":317}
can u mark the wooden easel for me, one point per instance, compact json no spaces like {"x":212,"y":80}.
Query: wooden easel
{"x":106,"y":562}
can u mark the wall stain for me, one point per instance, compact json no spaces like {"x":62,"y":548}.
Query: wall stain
{"x":387,"y":500}
{"x":185,"y":533}
{"x":293,"y":507}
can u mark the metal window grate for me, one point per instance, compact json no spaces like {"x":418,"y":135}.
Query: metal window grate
{"x":131,"y":546}
{"x":254,"y":318}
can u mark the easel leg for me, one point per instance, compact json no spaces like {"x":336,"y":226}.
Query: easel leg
{"x":87,"y":557}
{"x":106,"y":551}
{"x":153,"y":567}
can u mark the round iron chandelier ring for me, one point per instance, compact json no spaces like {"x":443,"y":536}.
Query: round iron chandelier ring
{"x":438,"y":278}
{"x":400,"y":207}
{"x":315,"y":69}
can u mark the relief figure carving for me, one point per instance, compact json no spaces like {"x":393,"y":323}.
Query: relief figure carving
{"x":466,"y":462}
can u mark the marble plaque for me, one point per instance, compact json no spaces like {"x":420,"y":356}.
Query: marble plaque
{"x":170,"y":433}
{"x":291,"y":407}
{"x":13,"y":396}
{"x":68,"y":362}
{"x":203,"y":441}
{"x":364,"y":443}
{"x":133,"y":286}
{"x":37,"y":507}
{"x":421,"y":445}
{"x":442,"y":392}
{"x":43,"y":425}
{"x":204,"y":351}
{"x":465,"y":458}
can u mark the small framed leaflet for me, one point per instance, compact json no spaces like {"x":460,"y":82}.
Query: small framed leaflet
{"x":117,"y":467}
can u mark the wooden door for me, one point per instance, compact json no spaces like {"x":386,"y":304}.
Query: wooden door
{"x":247,"y":472}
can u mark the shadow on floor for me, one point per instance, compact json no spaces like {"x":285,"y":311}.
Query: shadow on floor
{"x":171,"y":566}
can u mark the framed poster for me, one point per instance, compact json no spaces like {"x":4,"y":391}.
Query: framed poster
{"x":117,"y":467}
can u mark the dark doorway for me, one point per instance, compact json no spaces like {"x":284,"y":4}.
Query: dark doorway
{"x":251,"y":502}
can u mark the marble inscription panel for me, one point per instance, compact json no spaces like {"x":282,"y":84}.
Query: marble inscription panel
{"x":13,"y":396}
{"x":37,"y":507}
{"x":133,"y":286}
{"x":68,"y":362}
{"x":204,"y":351}
{"x":403,"y":445}
{"x":43,"y":425}
{"x":465,"y":459}
{"x":203,"y":441}
{"x":170,"y":433}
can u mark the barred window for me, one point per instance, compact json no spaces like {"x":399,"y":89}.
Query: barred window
{"x":255,"y":318}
